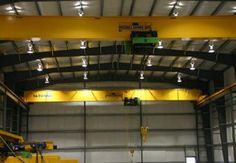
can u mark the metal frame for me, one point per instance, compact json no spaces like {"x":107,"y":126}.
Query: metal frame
{"x":39,"y":84}
{"x":8,"y":60}
{"x":25,"y":75}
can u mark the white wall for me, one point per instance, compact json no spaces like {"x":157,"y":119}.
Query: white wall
{"x":165,"y":144}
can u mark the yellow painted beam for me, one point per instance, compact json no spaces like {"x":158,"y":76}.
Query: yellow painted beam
{"x":11,"y":137}
{"x":106,"y":28}
{"x":47,"y":158}
{"x":112,"y":95}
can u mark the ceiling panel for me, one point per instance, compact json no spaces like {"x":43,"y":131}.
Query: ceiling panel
{"x":92,"y":60}
{"x":131,"y":72}
{"x":54,"y":76}
{"x":147,"y":73}
{"x":64,"y":61}
{"x":126,"y":7}
{"x":7,"y":69}
{"x":179,"y":44}
{"x":49,"y":8}
{"x":186,"y":8}
{"x":7,"y":48}
{"x":75,"y":44}
{"x":220,"y":67}
{"x":42,"y":46}
{"x":157,"y":74}
{"x":58,"y":45}
{"x":228,"y":9}
{"x":230,"y":47}
{"x":26,"y":8}
{"x":93,"y":73}
{"x":137,"y":59}
{"x":49,"y":62}
{"x":162,"y":8}
{"x":126,"y":58}
{"x":67,"y":75}
{"x":167,"y":61}
{"x":78,"y":74}
{"x":76,"y":61}
{"x":112,"y":7}
{"x":195,"y":45}
{"x":142,"y":7}
{"x":92,"y":8}
{"x":68,"y":8}
{"x":105,"y":58}
{"x":181,"y":62}
{"x":207,"y":65}
{"x":22,"y":67}
{"x":4,"y":8}
{"x":216,"y":44}
{"x":170,"y":75}
{"x":207,"y":8}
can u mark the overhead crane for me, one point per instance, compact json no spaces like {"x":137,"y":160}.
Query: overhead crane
{"x":112,"y":95}
{"x":107,"y":28}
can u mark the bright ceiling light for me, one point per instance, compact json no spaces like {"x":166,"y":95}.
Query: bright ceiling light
{"x":81,"y":12}
{"x":175,"y":13}
{"x":83,"y":44}
{"x":84,"y":62}
{"x":85,"y":75}
{"x":30,"y":48}
{"x":81,"y":2}
{"x":141,"y":75}
{"x":46,"y":80}
{"x":40,"y":67}
{"x":10,"y":9}
{"x":179,"y":77}
{"x":180,"y":4}
{"x":80,"y":6}
{"x":192,"y":64}
{"x":160,"y":46}
{"x":149,"y":62}
{"x":175,"y":4}
{"x":211,"y":48}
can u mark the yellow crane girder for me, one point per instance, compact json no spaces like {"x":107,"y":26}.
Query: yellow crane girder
{"x":112,"y":95}
{"x":107,"y":28}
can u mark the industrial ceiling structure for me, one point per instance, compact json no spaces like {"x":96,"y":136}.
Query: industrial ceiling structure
{"x":61,"y":61}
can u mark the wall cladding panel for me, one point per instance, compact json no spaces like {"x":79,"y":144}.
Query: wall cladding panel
{"x":171,"y":124}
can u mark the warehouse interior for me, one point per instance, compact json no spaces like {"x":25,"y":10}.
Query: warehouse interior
{"x":117,"y":81}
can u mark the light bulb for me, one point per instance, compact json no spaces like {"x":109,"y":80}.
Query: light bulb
{"x":211,"y":48}
{"x":149,"y":62}
{"x":84,"y":62}
{"x":160,"y":46}
{"x":46,"y":79}
{"x":141,"y":75}
{"x":80,"y":12}
{"x":192,"y":65}
{"x":85,"y":75}
{"x":175,"y":13}
{"x":179,"y":76}
{"x":83,"y":44}
{"x":40,"y":67}
{"x":30,"y":48}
